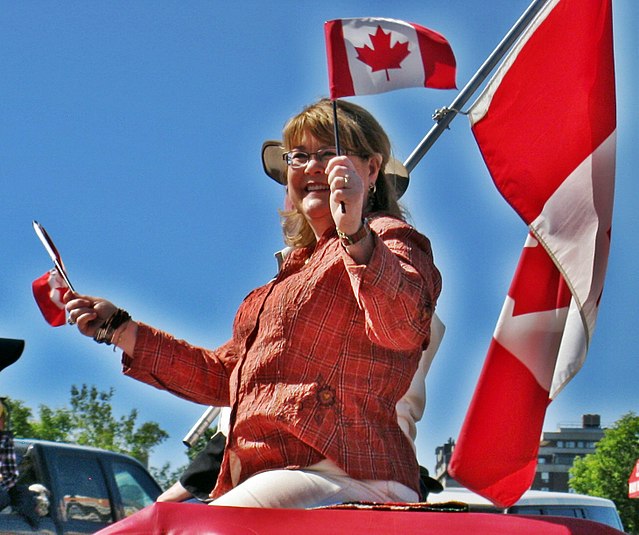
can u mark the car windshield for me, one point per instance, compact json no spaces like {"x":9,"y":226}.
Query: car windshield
{"x":604,"y":515}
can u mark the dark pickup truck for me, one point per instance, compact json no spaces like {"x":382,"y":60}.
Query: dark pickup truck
{"x":77,"y":489}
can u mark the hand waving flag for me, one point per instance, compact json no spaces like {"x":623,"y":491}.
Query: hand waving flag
{"x":374,"y":55}
{"x":546,"y":128}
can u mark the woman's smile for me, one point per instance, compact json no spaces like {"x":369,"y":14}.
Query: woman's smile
{"x":315,"y":186}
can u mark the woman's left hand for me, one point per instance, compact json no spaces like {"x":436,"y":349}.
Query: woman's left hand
{"x":348,"y":194}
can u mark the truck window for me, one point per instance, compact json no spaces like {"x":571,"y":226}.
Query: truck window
{"x":26,"y":469}
{"x":553,"y":510}
{"x":605,"y":515}
{"x":83,"y":489}
{"x":133,"y":484}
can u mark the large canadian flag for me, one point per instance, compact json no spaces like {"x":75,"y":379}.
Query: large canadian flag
{"x":545,"y":125}
{"x":375,"y":55}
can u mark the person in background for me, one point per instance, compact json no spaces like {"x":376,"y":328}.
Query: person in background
{"x":8,"y":466}
{"x":200,"y":476}
{"x":321,"y":354}
{"x":11,"y":492}
{"x":10,"y":351}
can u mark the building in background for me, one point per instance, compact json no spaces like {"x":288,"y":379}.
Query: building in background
{"x":557,"y":452}
{"x":443,"y":454}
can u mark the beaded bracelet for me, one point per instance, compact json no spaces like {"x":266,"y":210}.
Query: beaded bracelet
{"x":104,"y":334}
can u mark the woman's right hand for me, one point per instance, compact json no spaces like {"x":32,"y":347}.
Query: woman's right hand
{"x":87,"y":312}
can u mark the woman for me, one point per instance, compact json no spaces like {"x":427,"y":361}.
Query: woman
{"x":322,"y":353}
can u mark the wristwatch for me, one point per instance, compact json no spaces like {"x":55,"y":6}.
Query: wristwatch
{"x":352,"y":239}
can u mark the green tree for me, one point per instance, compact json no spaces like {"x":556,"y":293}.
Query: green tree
{"x":166,"y":476}
{"x":53,"y":424}
{"x":20,"y":418}
{"x":90,"y":422}
{"x":605,"y":472}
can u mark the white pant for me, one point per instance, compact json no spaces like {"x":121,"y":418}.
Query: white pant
{"x":322,"y":484}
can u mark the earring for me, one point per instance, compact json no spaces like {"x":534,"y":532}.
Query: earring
{"x":371,"y":201}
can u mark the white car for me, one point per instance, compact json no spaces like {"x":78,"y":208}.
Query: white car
{"x":537,"y":502}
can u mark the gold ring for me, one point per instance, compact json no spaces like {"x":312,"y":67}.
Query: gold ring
{"x":70,"y":321}
{"x":346,"y":178}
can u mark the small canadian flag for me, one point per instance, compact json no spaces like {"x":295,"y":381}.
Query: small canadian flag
{"x":48,"y":292}
{"x":375,"y":55}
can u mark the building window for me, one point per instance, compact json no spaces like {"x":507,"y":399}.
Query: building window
{"x":541,"y":460}
{"x":570,"y":443}
{"x":580,"y":444}
{"x":560,"y":443}
{"x":565,"y":459}
{"x":545,"y":477}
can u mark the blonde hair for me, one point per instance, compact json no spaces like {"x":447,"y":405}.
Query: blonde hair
{"x":360,"y":134}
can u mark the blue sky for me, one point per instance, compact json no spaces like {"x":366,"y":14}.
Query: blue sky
{"x":132,"y":132}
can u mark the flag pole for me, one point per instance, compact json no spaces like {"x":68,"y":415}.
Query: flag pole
{"x":335,"y":129}
{"x":337,"y":147}
{"x":197,"y":431}
{"x":445,"y":116}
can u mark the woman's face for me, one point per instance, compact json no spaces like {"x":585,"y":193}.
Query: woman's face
{"x":308,"y":187}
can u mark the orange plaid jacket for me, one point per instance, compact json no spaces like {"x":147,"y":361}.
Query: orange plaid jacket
{"x":318,"y":360}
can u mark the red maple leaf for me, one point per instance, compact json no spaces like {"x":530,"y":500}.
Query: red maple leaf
{"x":383,"y":56}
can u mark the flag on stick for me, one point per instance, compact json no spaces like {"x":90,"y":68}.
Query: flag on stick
{"x":545,"y":125}
{"x":48,"y":291}
{"x":375,"y":55}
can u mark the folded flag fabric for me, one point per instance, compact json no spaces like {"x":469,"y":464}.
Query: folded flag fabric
{"x":375,"y":55}
{"x":496,"y":451}
{"x":546,"y":127}
{"x":48,"y":291}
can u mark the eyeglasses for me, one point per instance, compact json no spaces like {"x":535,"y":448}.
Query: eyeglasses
{"x":299,"y":158}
